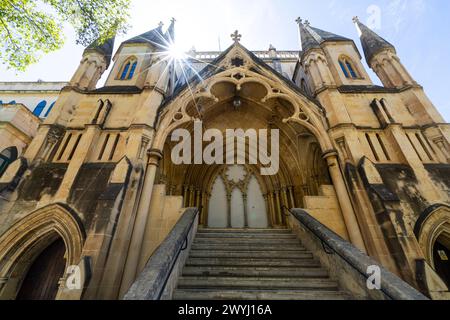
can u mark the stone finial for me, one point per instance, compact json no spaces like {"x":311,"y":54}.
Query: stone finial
{"x":236,"y":36}
{"x":161,"y":24}
{"x":307,"y":23}
{"x":173,"y":20}
{"x":299,"y":20}
{"x":355,"y":19}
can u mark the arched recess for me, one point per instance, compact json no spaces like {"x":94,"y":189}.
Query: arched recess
{"x":247,"y":97}
{"x":29,"y":237}
{"x":433,"y":226}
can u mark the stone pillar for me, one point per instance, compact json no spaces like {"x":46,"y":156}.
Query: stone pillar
{"x":197,"y":200}
{"x":291,"y":196}
{"x":229,"y":211}
{"x":278,"y":207}
{"x":191,"y":196}
{"x":269,"y":215}
{"x":185,"y":196}
{"x":344,"y":200}
{"x":285,"y":202}
{"x":205,"y":202}
{"x":245,"y":211}
{"x":140,"y":223}
{"x":271,"y":209}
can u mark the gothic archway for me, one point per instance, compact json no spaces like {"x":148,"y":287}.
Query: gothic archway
{"x":30,"y":237}
{"x":246,"y":97}
{"x":433,"y":233}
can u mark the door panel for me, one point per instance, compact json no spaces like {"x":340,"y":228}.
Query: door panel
{"x":41,"y":281}
{"x":256,"y":205}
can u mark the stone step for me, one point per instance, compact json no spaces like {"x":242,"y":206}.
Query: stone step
{"x":246,"y":262}
{"x":244,"y":236}
{"x":246,"y":247}
{"x":239,"y":295}
{"x":247,"y":241}
{"x":245,"y":231}
{"x":274,"y":272}
{"x":273,"y":255}
{"x":257,"y":283}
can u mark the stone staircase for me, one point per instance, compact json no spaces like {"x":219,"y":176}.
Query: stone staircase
{"x":268,"y":264}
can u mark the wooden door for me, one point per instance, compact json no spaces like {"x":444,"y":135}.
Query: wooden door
{"x":41,"y":281}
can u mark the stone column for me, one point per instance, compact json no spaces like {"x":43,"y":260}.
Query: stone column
{"x":140,"y":223}
{"x":197,"y":199}
{"x":205,"y":202}
{"x":285,"y":202}
{"x":185,"y":196}
{"x":245,"y":211}
{"x":229,"y":211}
{"x":291,"y":196}
{"x":278,"y":207}
{"x":271,"y":209}
{"x":344,"y":200}
{"x":269,"y":215}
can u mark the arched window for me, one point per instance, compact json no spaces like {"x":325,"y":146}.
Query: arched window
{"x":39,"y":108}
{"x":49,"y":109}
{"x":128,"y":69}
{"x":348,"y":68}
{"x":7,"y":157}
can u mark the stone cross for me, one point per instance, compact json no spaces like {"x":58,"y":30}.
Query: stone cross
{"x":299,"y":20}
{"x":173,"y":20}
{"x":236,"y":36}
{"x":355,"y":19}
{"x":307,"y":23}
{"x":161,"y":24}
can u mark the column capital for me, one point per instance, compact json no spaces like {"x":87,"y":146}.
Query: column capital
{"x":154,"y":156}
{"x":329,"y":154}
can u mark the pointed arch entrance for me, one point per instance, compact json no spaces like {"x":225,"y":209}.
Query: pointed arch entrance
{"x":42,"y":279}
{"x":46,"y":241}
{"x":249,"y":94}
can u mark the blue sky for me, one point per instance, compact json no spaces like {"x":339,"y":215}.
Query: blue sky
{"x":418,"y":28}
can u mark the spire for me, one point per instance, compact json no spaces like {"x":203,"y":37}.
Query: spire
{"x":105,"y":49}
{"x":154,"y":37}
{"x":371,"y":42}
{"x":170,"y":33}
{"x":307,"y":40}
{"x":313,"y":37}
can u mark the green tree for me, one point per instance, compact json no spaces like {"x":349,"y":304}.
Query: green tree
{"x":30,"y":28}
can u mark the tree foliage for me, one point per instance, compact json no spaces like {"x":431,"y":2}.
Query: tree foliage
{"x":32,"y":27}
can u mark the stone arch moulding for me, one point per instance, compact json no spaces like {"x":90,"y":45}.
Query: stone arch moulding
{"x":25,"y":240}
{"x":433,"y":223}
{"x":306,"y":113}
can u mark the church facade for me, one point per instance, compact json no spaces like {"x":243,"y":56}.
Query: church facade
{"x":96,"y":187}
